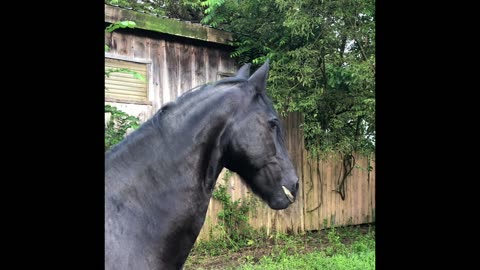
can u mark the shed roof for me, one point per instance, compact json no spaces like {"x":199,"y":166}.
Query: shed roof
{"x":167,"y":25}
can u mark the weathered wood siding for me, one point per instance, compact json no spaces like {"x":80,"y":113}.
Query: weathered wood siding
{"x":318,"y":206}
{"x":175,"y":64}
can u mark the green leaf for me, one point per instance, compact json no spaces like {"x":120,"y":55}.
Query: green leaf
{"x":138,"y":76}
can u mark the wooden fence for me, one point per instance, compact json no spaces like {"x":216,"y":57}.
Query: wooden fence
{"x":318,"y":205}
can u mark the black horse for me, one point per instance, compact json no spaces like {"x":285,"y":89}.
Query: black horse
{"x":160,"y":178}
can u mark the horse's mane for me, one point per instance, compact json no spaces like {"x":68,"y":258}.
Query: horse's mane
{"x":194,"y":92}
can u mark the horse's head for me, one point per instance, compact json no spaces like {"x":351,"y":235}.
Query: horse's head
{"x":254,"y":144}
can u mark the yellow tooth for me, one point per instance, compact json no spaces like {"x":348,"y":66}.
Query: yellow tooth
{"x":288,"y":194}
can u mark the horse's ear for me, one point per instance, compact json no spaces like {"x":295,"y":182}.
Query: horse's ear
{"x":244,"y":71}
{"x":259,"y":78}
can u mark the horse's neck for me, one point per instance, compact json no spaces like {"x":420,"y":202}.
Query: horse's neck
{"x":201,"y":150}
{"x":163,"y":175}
{"x":184,"y":142}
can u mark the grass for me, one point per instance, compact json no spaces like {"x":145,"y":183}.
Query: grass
{"x":335,"y":248}
{"x":316,"y":260}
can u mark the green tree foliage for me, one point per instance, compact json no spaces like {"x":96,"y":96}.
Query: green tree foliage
{"x":323,"y":64}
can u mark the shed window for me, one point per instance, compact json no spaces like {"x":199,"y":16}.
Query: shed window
{"x":124,"y":86}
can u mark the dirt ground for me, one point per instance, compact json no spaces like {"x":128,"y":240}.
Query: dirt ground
{"x":309,"y":242}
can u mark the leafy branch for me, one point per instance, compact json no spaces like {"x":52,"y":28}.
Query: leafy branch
{"x":124,"y":70}
{"x":117,"y":25}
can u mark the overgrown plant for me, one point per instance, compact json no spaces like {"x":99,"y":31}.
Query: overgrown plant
{"x":233,"y":219}
{"x":118,"y":125}
{"x":336,"y":246}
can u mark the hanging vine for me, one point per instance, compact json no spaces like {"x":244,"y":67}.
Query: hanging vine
{"x":348,"y":165}
{"x":320,"y":184}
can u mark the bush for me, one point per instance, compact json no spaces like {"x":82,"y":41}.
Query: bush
{"x":118,"y":126}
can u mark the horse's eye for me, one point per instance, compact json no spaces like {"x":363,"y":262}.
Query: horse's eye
{"x":273,"y":123}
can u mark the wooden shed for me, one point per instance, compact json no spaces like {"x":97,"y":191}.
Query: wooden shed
{"x":172,"y":55}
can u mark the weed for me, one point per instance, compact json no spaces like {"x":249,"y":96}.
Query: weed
{"x":118,"y":126}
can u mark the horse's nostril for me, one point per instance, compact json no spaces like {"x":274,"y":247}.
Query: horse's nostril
{"x":294,"y":189}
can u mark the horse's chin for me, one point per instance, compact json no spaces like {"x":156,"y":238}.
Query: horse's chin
{"x":279,"y":204}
